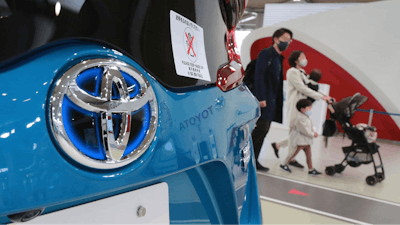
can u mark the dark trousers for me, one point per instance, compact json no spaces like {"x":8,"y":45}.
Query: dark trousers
{"x":258,"y":135}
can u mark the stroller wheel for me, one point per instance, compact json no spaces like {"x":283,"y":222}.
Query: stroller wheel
{"x":339,"y":168}
{"x":371,"y":180}
{"x":380,"y":176}
{"x":330,"y":170}
{"x":354,"y":164}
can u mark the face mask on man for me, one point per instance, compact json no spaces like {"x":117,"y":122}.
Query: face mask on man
{"x":283,"y":45}
{"x":308,"y":113}
{"x":303,"y":63}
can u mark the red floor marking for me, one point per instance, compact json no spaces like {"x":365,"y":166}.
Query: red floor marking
{"x":296,"y":192}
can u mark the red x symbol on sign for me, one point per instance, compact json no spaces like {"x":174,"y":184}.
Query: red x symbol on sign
{"x":190,"y":44}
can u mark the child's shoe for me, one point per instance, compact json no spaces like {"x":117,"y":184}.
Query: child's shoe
{"x":314,"y":172}
{"x":296,"y":164}
{"x":286,"y":168}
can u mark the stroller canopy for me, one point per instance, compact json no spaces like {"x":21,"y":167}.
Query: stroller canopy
{"x":346,"y":108}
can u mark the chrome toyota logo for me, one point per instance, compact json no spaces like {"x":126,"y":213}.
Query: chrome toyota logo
{"x":103,"y":113}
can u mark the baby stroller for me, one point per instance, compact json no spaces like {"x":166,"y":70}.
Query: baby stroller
{"x":363,"y":146}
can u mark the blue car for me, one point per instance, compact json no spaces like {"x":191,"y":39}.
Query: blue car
{"x":128,"y":111}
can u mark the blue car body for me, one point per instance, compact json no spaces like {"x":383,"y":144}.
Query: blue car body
{"x":197,"y":148}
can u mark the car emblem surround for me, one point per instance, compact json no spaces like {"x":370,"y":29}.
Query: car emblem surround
{"x":112,"y":108}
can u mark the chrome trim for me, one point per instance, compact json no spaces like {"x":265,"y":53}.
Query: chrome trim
{"x":114,"y":148}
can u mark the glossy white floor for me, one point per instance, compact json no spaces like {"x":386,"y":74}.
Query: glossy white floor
{"x":274,"y":213}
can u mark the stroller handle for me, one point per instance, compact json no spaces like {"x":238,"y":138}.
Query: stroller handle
{"x":330,"y":102}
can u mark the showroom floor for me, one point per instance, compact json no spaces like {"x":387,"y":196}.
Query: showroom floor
{"x":342,"y":198}
{"x":275,"y":213}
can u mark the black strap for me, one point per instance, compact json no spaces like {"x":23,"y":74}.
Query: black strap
{"x":301,"y":71}
{"x":271,"y":53}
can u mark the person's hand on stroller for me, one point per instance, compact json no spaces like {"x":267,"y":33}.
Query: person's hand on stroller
{"x":329,"y":100}
{"x":315,"y":134}
{"x":326,"y":98}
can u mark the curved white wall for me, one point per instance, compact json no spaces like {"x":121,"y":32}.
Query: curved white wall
{"x":363,"y":39}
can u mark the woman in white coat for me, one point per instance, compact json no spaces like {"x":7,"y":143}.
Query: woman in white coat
{"x":297,"y":89}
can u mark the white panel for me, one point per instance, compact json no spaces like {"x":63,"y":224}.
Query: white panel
{"x":119,"y":209}
{"x":276,"y":13}
{"x":318,"y":111}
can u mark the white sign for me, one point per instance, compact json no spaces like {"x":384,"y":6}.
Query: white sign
{"x":188,"y":48}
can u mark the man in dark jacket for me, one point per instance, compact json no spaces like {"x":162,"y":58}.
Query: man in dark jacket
{"x":268,"y":87}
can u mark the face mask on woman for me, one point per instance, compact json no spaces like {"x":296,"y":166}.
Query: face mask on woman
{"x":303,"y":63}
{"x":283,"y":45}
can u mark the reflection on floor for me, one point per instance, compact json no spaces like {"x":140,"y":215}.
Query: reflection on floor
{"x":274,"y":213}
{"x":341,"y":205}
{"x":351,"y":180}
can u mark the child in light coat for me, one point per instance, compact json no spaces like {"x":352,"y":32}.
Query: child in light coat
{"x":301,"y":136}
